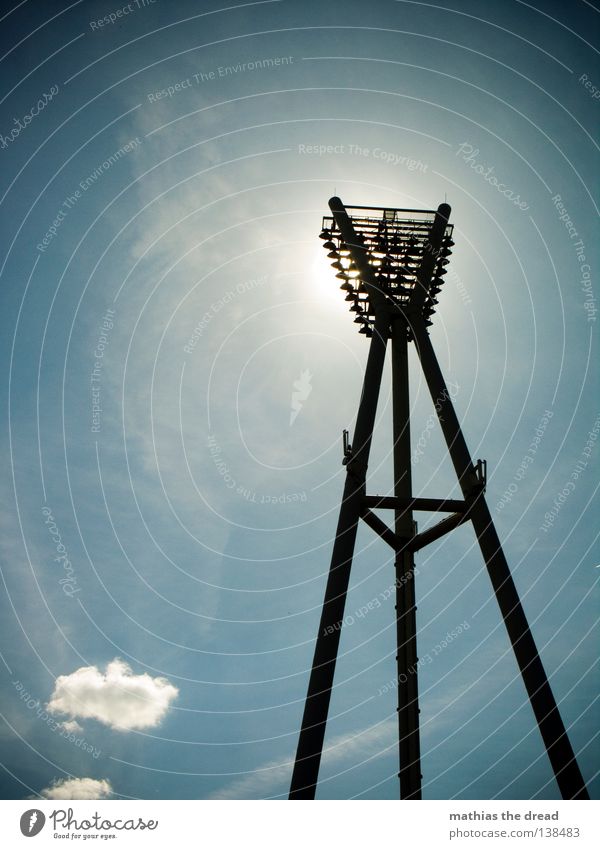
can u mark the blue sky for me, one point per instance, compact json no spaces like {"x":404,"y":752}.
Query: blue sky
{"x":166,"y":526}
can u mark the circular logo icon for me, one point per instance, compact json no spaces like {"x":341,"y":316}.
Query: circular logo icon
{"x":32,"y":822}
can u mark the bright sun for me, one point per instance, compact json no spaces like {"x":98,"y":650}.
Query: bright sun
{"x":323,"y":276}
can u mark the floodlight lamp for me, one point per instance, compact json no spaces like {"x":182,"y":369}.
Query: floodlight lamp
{"x":395,"y":245}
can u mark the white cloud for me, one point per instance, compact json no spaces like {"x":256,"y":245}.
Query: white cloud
{"x":72,"y":726}
{"x":117,"y":697}
{"x":273,"y":779}
{"x":77,"y":788}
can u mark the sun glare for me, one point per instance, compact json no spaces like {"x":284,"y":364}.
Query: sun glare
{"x":323,"y":278}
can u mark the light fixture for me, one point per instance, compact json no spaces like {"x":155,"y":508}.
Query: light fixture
{"x":395,"y":243}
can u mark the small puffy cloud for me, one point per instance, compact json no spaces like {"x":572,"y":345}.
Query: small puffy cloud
{"x":116,"y":697}
{"x":77,"y":788}
{"x":72,"y":726}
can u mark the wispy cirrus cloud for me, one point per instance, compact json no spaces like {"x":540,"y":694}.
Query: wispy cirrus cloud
{"x":273,"y":779}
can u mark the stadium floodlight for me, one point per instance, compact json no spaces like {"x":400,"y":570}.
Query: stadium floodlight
{"x":392,"y":264}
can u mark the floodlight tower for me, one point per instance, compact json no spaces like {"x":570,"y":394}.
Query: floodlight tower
{"x":391,"y":263}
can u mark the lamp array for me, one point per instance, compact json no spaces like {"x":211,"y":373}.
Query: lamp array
{"x":395,"y":246}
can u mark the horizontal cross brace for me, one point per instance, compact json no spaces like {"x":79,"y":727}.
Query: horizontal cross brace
{"x":432,"y":505}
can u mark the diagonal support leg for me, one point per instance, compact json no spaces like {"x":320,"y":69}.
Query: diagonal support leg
{"x":558,"y":746}
{"x":312,"y":732}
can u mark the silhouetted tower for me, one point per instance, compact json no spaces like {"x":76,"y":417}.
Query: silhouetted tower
{"x":391,"y":263}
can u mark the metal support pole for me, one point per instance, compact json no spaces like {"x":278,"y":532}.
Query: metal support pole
{"x":560,"y":751}
{"x":406,"y":629}
{"x":312,"y":732}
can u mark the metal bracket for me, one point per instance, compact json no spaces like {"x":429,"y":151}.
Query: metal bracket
{"x":347,"y":448}
{"x":481,"y":475}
